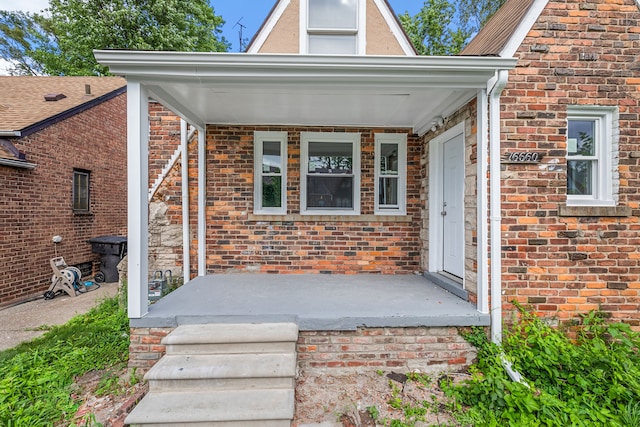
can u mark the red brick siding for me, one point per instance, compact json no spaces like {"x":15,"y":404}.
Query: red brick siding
{"x":568,"y":265}
{"x":235,"y":242}
{"x":426,"y":349}
{"x":36,"y":204}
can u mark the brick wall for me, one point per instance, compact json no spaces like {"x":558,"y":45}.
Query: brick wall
{"x":578,"y":53}
{"x":36,"y":205}
{"x":238,"y":241}
{"x":426,"y":349}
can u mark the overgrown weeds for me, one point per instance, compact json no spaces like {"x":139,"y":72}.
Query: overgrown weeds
{"x":36,"y":378}
{"x":590,"y":380}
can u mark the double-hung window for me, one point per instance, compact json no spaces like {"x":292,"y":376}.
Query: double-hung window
{"x":330,"y":173}
{"x":270,"y":176}
{"x":591,"y":154}
{"x":332,"y":26}
{"x":81,"y":184}
{"x":391,"y":172}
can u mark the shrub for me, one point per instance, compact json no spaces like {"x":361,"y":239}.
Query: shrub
{"x":592,"y":380}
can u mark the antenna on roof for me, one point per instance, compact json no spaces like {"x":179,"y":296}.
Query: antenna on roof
{"x":242,"y":27}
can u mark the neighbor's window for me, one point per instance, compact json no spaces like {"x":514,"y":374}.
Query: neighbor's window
{"x":81,"y":183}
{"x":330,"y":173}
{"x":391,"y":172}
{"x":591,"y":148}
{"x":270,"y":180}
{"x":332,"y":26}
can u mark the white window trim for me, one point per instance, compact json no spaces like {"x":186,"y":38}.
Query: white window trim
{"x":305,"y":138}
{"x":360,"y":31}
{"x":259,"y":137}
{"x":401,"y":140}
{"x":607,"y":178}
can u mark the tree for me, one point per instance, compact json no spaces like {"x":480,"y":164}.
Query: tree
{"x":432,"y":29}
{"x":24,"y":35}
{"x":67,"y":37}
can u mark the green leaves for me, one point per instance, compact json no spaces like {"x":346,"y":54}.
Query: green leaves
{"x":592,"y":380}
{"x":63,"y":43}
{"x":441,"y":28}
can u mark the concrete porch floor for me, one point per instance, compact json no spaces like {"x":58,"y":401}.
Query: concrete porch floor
{"x":313,"y":301}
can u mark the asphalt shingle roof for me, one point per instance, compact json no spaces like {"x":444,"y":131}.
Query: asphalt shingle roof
{"x":497,"y":32}
{"x":23,"y":104}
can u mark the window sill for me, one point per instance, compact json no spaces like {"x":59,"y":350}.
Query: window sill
{"x":594,"y":211}
{"x":82,"y":213}
{"x":331,"y":218}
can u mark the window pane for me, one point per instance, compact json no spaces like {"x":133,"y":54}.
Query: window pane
{"x":329,"y":191}
{"x":271,"y":191}
{"x":388,"y":188}
{"x":388,"y":159}
{"x":330,"y":157}
{"x":333,"y":14}
{"x":271,"y":158}
{"x":332,"y":44}
{"x":80,"y":191}
{"x":580,"y":177}
{"x":580,"y":138}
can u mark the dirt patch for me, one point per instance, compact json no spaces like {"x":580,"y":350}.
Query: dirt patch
{"x":364,"y":399}
{"x":359,"y":399}
{"x":107,"y":397}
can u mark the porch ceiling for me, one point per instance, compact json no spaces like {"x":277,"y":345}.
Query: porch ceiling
{"x":315,"y":90}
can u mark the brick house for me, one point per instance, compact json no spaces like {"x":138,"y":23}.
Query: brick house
{"x":62,"y":164}
{"x":337,"y":179}
{"x":570,"y":219}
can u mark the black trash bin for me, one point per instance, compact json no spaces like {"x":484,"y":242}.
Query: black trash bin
{"x":112,"y":249}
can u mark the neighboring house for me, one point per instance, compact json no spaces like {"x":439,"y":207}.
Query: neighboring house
{"x":62,"y":173}
{"x":359,"y":172}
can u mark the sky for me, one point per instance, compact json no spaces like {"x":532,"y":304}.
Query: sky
{"x":246,"y":13}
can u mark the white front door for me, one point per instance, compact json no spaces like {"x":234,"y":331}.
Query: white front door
{"x":453,"y":206}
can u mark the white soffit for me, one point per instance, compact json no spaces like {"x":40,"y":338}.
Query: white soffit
{"x":225,"y":88}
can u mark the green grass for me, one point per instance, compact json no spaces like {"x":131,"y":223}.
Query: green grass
{"x":36,"y":378}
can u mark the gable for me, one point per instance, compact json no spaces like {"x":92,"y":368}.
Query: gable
{"x":284,"y":30}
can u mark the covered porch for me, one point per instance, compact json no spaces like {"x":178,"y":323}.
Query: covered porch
{"x":315,"y":302}
{"x":413,"y":93}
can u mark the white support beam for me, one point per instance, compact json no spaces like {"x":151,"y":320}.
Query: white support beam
{"x":482,"y":138}
{"x":186,"y":240}
{"x":202,"y":201}
{"x":137,"y":205}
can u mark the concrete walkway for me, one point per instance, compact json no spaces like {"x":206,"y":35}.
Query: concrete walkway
{"x":24,"y":322}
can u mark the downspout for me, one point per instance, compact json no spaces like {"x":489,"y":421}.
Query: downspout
{"x":495,"y":91}
{"x":186,"y":259}
{"x":499,"y":83}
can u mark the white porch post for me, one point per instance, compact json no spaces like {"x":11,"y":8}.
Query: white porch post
{"x":483,"y":202}
{"x":186,"y":241}
{"x":202,"y":201}
{"x":137,"y":204}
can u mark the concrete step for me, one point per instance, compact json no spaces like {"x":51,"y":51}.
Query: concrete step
{"x":233,"y":348}
{"x":211,"y":407}
{"x":271,"y":423}
{"x":223,"y":371}
{"x":226,"y":333}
